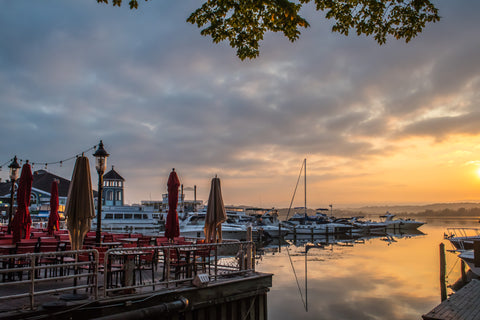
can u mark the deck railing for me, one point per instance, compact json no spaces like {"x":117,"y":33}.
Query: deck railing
{"x":213,"y":261}
{"x":120,"y":270}
{"x":58,"y":265}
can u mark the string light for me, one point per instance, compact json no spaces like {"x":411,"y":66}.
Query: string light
{"x":50,"y":163}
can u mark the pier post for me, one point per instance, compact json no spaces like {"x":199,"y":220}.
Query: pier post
{"x":443,"y":286}
{"x":462,"y":271}
{"x":476,"y":253}
{"x":295,"y":234}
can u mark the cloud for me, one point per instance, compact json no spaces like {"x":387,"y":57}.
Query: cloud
{"x":161,"y":95}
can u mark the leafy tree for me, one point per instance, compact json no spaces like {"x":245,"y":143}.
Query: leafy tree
{"x":244,"y":22}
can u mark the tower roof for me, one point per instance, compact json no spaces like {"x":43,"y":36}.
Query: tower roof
{"x":112,"y":175}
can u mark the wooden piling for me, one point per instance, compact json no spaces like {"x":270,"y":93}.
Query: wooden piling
{"x":462,"y":271}
{"x":443,"y":285}
{"x":476,"y":253}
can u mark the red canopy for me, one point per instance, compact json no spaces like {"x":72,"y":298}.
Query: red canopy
{"x":21,"y":221}
{"x":172,"y":229}
{"x":53,"y":217}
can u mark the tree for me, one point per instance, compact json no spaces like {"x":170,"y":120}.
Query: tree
{"x":244,"y":22}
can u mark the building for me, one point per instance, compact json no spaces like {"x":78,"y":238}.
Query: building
{"x":113,"y":184}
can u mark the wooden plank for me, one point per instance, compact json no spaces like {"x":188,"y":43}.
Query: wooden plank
{"x":463,"y":305}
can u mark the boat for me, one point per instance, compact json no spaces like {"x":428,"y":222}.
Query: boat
{"x":132,"y":219}
{"x":405,"y":224}
{"x":194,"y":223}
{"x":462,"y":238}
{"x":369,"y":226}
{"x":266,"y":221}
{"x":468,"y":256}
{"x":319,"y":224}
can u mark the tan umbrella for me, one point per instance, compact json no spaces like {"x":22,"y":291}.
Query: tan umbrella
{"x":216,"y":214}
{"x":79,"y":210}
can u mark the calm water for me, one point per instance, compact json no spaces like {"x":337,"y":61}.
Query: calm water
{"x":377,"y":279}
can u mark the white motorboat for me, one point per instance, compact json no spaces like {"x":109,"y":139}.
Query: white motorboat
{"x":268,"y":223}
{"x":468,"y":256}
{"x":369,"y":226}
{"x":322,"y":228}
{"x":133,"y":219}
{"x":405,"y":224}
{"x":462,"y":238}
{"x":194,"y":223}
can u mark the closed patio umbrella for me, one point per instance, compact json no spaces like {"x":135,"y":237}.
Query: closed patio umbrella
{"x":21,"y":221}
{"x":216,"y":214}
{"x":79,"y":210}
{"x":172,"y":228}
{"x":53,"y":218}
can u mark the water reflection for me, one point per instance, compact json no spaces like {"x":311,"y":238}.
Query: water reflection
{"x":392,"y":276}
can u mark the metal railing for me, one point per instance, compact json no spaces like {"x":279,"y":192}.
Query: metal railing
{"x":143,"y":268}
{"x":213,"y":260}
{"x":57,"y":264}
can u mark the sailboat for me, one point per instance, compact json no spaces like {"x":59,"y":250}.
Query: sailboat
{"x":320,"y":224}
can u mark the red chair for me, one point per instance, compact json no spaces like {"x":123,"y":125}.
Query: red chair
{"x":24,"y":246}
{"x":177,"y":262}
{"x":46,"y":244}
{"x":161,"y":241}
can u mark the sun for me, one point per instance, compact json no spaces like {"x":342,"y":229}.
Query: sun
{"x":478,"y":172}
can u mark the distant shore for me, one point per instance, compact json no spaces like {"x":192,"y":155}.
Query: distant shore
{"x":468,"y":210}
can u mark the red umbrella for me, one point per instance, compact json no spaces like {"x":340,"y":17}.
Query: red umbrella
{"x":172,"y":229}
{"x":53,"y":217}
{"x":21,"y":221}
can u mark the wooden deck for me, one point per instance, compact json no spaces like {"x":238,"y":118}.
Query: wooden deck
{"x":464,"y":305}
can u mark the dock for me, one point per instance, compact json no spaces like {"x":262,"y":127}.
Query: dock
{"x":464,"y":305}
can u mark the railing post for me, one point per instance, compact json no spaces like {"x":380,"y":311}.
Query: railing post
{"x":95,"y":276}
{"x":167,"y":261}
{"x":32,"y":278}
{"x":249,"y":248}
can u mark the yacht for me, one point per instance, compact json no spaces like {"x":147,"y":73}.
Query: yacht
{"x":403,"y":224}
{"x":132,"y":219}
{"x":194,"y":223}
{"x":462,"y":238}
{"x":468,"y":256}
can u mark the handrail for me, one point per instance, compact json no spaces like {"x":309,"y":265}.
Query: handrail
{"x":33,"y":268}
{"x":223,"y":260}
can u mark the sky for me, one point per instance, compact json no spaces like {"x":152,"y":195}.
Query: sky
{"x":391,"y":124}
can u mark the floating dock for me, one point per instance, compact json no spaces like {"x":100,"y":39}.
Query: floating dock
{"x":462,"y":305}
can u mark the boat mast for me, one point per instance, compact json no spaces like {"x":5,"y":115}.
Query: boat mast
{"x":305,"y":180}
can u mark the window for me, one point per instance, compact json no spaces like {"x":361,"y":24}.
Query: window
{"x":109,"y":216}
{"x":109,"y":195}
{"x":118,"y":215}
{"x":119,"y":195}
{"x":128,"y":216}
{"x":145,"y":216}
{"x":137,"y":216}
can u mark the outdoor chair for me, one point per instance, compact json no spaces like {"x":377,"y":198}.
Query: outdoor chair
{"x":177,"y":262}
{"x":24,"y":246}
{"x":48,"y":245}
{"x":147,"y":261}
{"x":202,"y":257}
